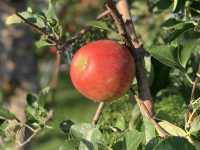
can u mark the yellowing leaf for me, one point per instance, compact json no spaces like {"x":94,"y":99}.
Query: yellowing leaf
{"x":172,"y":129}
{"x":13,"y":19}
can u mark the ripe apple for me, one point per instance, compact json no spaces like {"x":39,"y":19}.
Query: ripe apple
{"x":53,"y":50}
{"x":102,"y":70}
{"x":89,"y":2}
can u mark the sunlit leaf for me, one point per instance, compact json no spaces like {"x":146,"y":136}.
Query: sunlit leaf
{"x":172,"y":129}
{"x":41,"y":43}
{"x":13,"y":19}
{"x":51,"y":13}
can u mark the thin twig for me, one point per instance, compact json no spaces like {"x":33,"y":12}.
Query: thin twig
{"x":145,"y":112}
{"x":86,"y":29}
{"x":195,"y":84}
{"x":191,"y":113}
{"x":56,"y":68}
{"x":103,"y":14}
{"x":30,"y":138}
{"x":29,"y":127}
{"x":98,"y":113}
{"x":37,"y":29}
{"x":76,"y":36}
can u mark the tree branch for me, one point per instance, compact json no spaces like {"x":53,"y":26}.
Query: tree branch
{"x":145,"y":112}
{"x":191,"y":114}
{"x":56,"y":69}
{"x":195,"y":83}
{"x":128,"y":32}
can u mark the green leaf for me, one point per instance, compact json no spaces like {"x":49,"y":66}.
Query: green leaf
{"x":149,"y":128}
{"x":31,"y":115}
{"x":35,"y":111}
{"x":196,"y":144}
{"x":31,"y":99}
{"x":188,"y":47}
{"x":99,"y":24}
{"x":51,"y":13}
{"x":13,"y":19}
{"x":162,"y":4}
{"x":169,"y":106}
{"x":172,"y":129}
{"x":178,"y":5}
{"x":135,"y":116}
{"x":166,"y":54}
{"x":177,"y":31}
{"x":195,"y":126}
{"x":37,"y":19}
{"x":174,"y":143}
{"x":41,"y":43}
{"x":67,"y":146}
{"x":6,"y":114}
{"x":153,"y":143}
{"x":3,"y":126}
{"x":121,"y":123}
{"x":170,"y":23}
{"x":89,"y":135}
{"x":133,"y":139}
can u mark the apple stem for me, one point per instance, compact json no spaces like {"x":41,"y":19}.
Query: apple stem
{"x":98,"y":113}
{"x":103,"y":14}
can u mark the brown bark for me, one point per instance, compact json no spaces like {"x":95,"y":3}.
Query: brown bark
{"x":126,"y":29}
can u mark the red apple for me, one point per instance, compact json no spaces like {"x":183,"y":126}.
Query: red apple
{"x":102,"y":70}
{"x":89,"y":2}
{"x":53,"y":50}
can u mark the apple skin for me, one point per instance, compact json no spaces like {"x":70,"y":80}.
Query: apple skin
{"x":53,"y":50}
{"x":102,"y":70}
